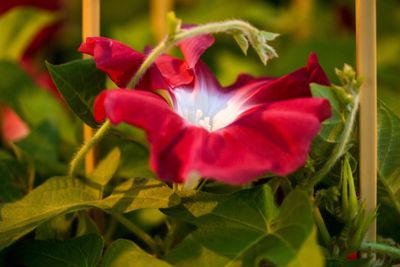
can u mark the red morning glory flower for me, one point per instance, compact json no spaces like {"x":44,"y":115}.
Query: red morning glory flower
{"x":231,"y":134}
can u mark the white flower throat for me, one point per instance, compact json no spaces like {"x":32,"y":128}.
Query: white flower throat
{"x":206,"y":108}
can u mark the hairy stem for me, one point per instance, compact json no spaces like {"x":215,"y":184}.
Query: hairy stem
{"x":80,"y":155}
{"x":111,"y":227}
{"x":215,"y":27}
{"x":339,"y":149}
{"x":154,"y":54}
{"x":168,"y":42}
{"x":381,"y":248}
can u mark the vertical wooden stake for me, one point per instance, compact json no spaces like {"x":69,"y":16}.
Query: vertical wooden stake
{"x":366,"y":68}
{"x":158,"y":16}
{"x":90,"y":27}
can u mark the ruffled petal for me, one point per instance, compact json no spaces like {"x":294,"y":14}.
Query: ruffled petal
{"x":253,"y":91}
{"x":175,"y":71}
{"x":119,"y":61}
{"x":193,"y":48}
{"x":140,"y":108}
{"x":317,"y":74}
{"x":205,"y":79}
{"x":173,"y":140}
{"x":245,"y":79}
{"x":272,"y":138}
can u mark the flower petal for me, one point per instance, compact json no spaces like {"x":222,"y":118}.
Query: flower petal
{"x":119,"y":61}
{"x":175,"y":71}
{"x":245,"y":79}
{"x":193,"y":48}
{"x":172,"y":141}
{"x":271,"y":138}
{"x":317,"y":74}
{"x":141,"y":108}
{"x":204,"y":94}
{"x":268,"y":138}
{"x":179,"y":72}
{"x":294,"y":85}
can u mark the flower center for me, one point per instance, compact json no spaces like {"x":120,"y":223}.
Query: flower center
{"x":208,"y":109}
{"x":203,"y":121}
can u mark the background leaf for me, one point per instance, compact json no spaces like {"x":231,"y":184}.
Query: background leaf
{"x":17,"y":82}
{"x":33,"y":104}
{"x":248,"y":228}
{"x":79,"y":82}
{"x":84,"y":251}
{"x":12,"y":179}
{"x":18,"y":27}
{"x":126,"y":253}
{"x":41,"y":145}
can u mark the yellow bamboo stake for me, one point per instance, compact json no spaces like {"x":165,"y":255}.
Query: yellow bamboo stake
{"x":366,"y":68}
{"x":158,"y":16}
{"x":90,"y":27}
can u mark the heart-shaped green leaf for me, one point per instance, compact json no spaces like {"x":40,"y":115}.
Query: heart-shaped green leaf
{"x":79,"y":82}
{"x":248,"y":229}
{"x":389,"y":171}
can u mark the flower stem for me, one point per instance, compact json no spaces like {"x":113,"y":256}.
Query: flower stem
{"x":339,"y":149}
{"x":170,"y":236}
{"x":155,"y":53}
{"x":319,"y":221}
{"x":111,"y":227}
{"x":168,"y":42}
{"x":381,"y":248}
{"x":136,"y":230}
{"x":79,"y":156}
{"x":216,"y":27}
